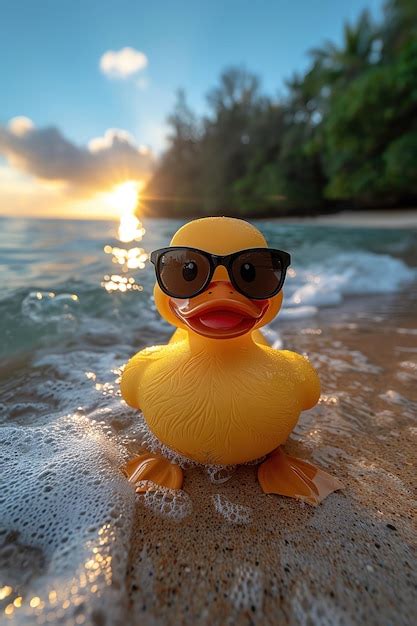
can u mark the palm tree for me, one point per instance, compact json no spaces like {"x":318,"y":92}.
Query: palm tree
{"x":306,"y":103}
{"x":339,"y":65}
{"x":333,"y":67}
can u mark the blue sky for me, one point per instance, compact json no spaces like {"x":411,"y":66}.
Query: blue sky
{"x":50,"y":51}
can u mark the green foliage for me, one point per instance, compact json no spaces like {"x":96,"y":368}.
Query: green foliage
{"x":346,"y":134}
{"x":370,"y":134}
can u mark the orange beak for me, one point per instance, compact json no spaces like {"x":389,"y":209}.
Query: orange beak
{"x":220,"y":312}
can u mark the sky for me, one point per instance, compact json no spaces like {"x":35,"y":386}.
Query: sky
{"x":86,"y":85}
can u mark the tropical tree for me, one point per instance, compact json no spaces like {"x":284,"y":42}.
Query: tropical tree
{"x":338,"y":65}
{"x":235,"y":105}
{"x":399,"y":26}
{"x":371,"y":135}
{"x":174,"y":188}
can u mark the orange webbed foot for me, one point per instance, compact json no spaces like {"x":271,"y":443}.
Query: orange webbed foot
{"x":288,"y":476}
{"x":153,"y":468}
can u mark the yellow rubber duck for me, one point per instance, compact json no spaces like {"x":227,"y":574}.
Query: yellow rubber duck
{"x":218,"y":393}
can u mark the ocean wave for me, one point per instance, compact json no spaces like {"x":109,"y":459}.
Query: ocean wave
{"x":351,"y":273}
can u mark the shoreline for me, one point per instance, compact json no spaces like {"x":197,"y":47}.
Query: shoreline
{"x":379,"y":218}
{"x":361,"y":219}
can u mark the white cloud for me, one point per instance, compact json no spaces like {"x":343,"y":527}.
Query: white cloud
{"x":106,"y":141}
{"x":123,"y":63}
{"x":20,"y":125}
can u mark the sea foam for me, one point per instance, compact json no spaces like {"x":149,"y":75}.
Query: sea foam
{"x":63,"y":495}
{"x":326,"y":283}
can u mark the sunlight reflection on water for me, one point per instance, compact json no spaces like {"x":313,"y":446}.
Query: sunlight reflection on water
{"x":130,"y":230}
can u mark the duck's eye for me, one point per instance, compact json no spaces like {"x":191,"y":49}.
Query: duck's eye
{"x":248,"y":272}
{"x":190,"y":271}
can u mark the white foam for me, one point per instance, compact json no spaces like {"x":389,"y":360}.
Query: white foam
{"x":408,"y":372}
{"x":314,"y":294}
{"x":247,"y":590}
{"x":380,"y":481}
{"x":349,"y":273}
{"x":232,"y":512}
{"x":393,"y":397}
{"x":298,"y":313}
{"x":42,"y":307}
{"x":219,"y":475}
{"x":173,"y":504}
{"x":311,"y":609}
{"x":62,"y":492}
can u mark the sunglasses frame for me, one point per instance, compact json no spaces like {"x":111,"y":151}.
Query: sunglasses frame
{"x":216,"y":260}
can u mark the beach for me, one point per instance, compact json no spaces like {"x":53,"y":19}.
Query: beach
{"x":397,"y":218}
{"x":77,"y":546}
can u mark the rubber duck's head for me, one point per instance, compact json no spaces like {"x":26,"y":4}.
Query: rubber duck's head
{"x":220,"y":311}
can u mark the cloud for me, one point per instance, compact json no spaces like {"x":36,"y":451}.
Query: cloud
{"x":46,"y":154}
{"x":20,"y":125}
{"x":123,"y":63}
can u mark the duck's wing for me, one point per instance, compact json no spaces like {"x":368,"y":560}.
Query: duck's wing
{"x":132,"y":374}
{"x":307,"y":377}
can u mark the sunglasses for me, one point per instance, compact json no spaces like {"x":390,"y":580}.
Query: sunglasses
{"x":257,"y":273}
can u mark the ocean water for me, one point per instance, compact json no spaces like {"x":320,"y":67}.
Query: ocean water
{"x":69,"y":280}
{"x":75,"y":304}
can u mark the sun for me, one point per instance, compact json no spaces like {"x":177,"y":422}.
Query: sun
{"x":124,"y":199}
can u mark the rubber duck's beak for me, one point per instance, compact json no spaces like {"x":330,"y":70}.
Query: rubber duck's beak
{"x":220,"y":312}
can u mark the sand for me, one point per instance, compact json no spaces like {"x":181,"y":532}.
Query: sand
{"x":395,"y":218}
{"x":273,"y":560}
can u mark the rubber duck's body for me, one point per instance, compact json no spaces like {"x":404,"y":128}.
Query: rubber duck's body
{"x":218,"y":394}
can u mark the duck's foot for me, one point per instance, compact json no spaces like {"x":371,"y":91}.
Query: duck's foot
{"x":153,"y":468}
{"x":287,"y":476}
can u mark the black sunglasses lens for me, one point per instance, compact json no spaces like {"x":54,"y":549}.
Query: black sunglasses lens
{"x":183,"y":272}
{"x":258,"y":273}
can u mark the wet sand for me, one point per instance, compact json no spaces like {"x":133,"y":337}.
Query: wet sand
{"x":264,"y":559}
{"x":395,"y":218}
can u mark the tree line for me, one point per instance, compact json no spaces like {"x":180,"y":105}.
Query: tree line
{"x":344,"y":135}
